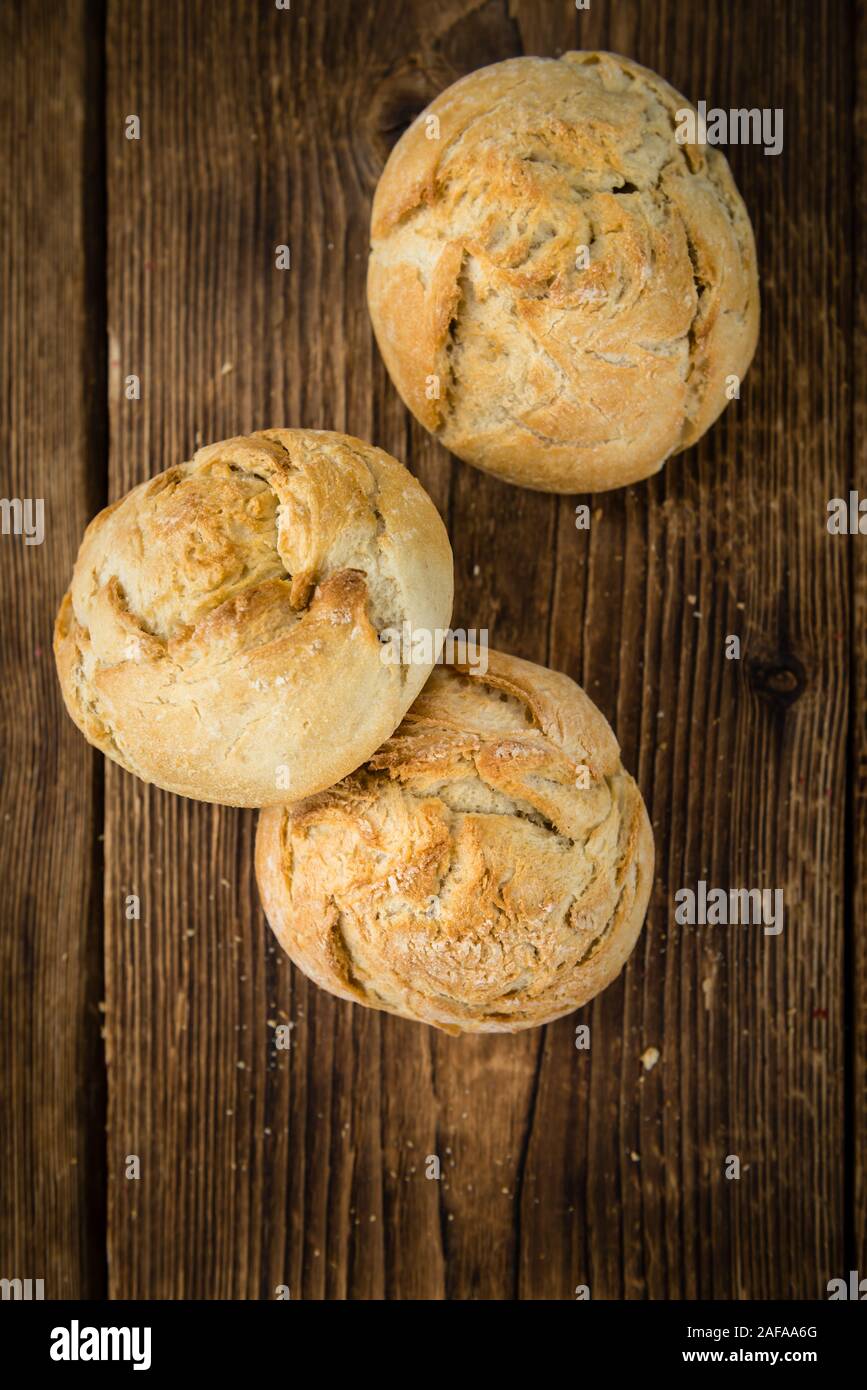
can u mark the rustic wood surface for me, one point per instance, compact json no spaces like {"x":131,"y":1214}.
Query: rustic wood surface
{"x":857,"y":781}
{"x":155,"y":1038}
{"x":52,"y":414}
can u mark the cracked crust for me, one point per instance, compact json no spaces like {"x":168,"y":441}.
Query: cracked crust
{"x":220,"y":636}
{"x":552,"y":376}
{"x":461,"y":878}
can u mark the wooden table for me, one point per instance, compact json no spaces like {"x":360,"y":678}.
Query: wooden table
{"x":155,"y":258}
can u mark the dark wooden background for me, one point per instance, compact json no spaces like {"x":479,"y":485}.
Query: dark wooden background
{"x":156,"y":1038}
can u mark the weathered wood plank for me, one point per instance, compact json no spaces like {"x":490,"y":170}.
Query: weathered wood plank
{"x":856,"y":886}
{"x":266,"y":1167}
{"x":52,"y":370}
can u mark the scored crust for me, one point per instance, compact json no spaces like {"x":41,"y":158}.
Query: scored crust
{"x":553,"y":374}
{"x":460,"y":877}
{"x":221,"y":634}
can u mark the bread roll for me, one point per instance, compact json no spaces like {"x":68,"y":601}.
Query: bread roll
{"x":487,"y":870}
{"x":551,"y":366}
{"x":221,"y":633}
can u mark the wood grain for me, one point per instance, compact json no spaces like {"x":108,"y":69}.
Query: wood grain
{"x":857,"y":782}
{"x":261,"y":1168}
{"x":743,"y":762}
{"x":52,"y":361}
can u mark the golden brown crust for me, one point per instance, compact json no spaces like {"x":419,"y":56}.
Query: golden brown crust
{"x":221,"y":633}
{"x":461,"y":877}
{"x":553,"y":376}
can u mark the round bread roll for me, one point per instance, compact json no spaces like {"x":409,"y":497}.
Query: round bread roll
{"x":221,"y":635}
{"x":487,"y":870}
{"x":560,"y":289}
